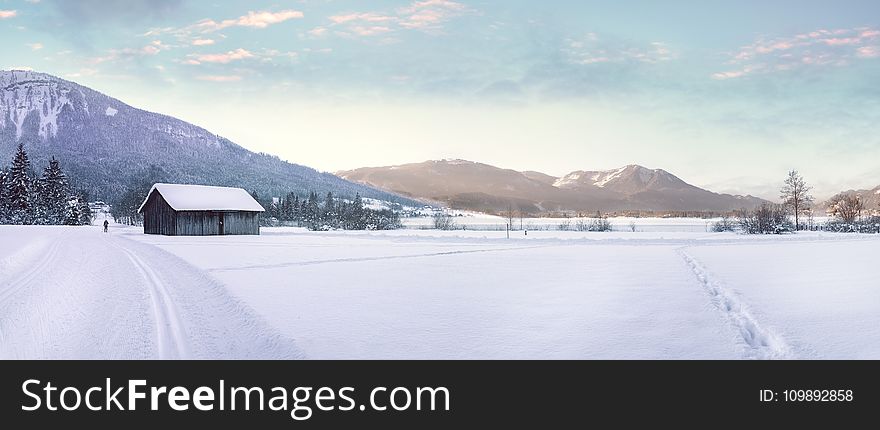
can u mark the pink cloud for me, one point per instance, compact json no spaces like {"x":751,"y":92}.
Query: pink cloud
{"x":425,"y":15}
{"x":817,"y":48}
{"x":203,"y":42}
{"x":223,"y":58}
{"x":253,"y":19}
{"x":8,"y":14}
{"x":370,"y":31}
{"x":219,"y":78}
{"x":318,"y":31}
{"x":366,"y":17}
{"x":868,"y":52}
{"x":151,"y":50}
{"x":728,"y":75}
{"x":842,"y":41}
{"x":592,"y":50}
{"x":429,"y":13}
{"x":265,"y":19}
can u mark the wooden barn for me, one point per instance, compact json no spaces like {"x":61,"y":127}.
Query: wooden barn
{"x":199,"y":210}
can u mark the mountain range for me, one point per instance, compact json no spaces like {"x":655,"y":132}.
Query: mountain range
{"x":481,"y":187}
{"x":104,"y":144}
{"x":870,"y":198}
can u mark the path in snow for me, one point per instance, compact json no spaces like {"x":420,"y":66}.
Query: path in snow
{"x":78,"y":293}
{"x":759,"y":341}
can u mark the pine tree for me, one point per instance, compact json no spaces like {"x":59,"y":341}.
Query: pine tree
{"x":329,"y":208}
{"x":357,"y":213}
{"x":20,"y":186}
{"x":4,"y":200}
{"x":85,"y":212}
{"x":54,"y":194}
{"x":72,"y":212}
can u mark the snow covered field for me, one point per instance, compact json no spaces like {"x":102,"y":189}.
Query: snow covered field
{"x":289,"y":293}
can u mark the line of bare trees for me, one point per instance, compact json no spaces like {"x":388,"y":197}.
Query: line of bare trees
{"x":847,"y":209}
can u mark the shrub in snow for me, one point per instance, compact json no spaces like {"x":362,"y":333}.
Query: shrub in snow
{"x":867,"y":225}
{"x":443,"y":221}
{"x":766,"y":219}
{"x":564,"y":225}
{"x":724,"y":225}
{"x":599,"y":223}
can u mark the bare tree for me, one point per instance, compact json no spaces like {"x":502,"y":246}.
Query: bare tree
{"x":795,"y":195}
{"x":510,"y":214}
{"x":443,"y":221}
{"x":847,"y":207}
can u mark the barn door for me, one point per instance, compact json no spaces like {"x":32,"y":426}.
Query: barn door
{"x":221,"y":230}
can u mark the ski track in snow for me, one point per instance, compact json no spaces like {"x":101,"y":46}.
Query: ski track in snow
{"x":76,"y":293}
{"x":760,"y":341}
{"x":363,"y":259}
{"x":9,"y":289}
{"x":170,"y":333}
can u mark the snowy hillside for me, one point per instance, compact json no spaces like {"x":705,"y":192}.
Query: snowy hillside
{"x":103,"y":142}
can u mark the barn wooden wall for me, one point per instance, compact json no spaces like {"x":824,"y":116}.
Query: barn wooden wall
{"x":207,"y":223}
{"x":242,"y":223}
{"x":160,"y":218}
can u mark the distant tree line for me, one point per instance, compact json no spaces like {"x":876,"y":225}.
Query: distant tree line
{"x":848,"y":211}
{"x":28,"y":199}
{"x":329,"y":213}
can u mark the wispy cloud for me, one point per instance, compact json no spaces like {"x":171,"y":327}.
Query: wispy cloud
{"x":817,"y":48}
{"x":219,"y":78}
{"x":257,"y":20}
{"x":35,"y":46}
{"x":240,"y":54}
{"x":114,"y":55}
{"x":591,"y":49}
{"x":203,"y":42}
{"x":252,"y":19}
{"x":868,"y":52}
{"x":222,"y":58}
{"x":361,"y":17}
{"x":317,"y":31}
{"x":428,"y":15}
{"x":8,"y":14}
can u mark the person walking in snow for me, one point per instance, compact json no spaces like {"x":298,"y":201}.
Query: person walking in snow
{"x":106,"y":224}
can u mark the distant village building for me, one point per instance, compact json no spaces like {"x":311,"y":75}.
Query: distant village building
{"x":199,"y":210}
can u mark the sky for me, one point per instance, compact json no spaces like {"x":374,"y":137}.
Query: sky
{"x":726,"y":95}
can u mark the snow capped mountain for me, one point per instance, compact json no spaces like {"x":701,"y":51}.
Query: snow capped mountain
{"x":628,"y":179}
{"x":103,"y":143}
{"x":476,"y":186}
{"x":870,"y":198}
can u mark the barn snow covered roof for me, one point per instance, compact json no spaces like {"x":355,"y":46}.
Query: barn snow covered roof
{"x":204,"y":198}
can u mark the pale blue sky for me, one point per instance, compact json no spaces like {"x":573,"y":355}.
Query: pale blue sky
{"x":727,"y":95}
